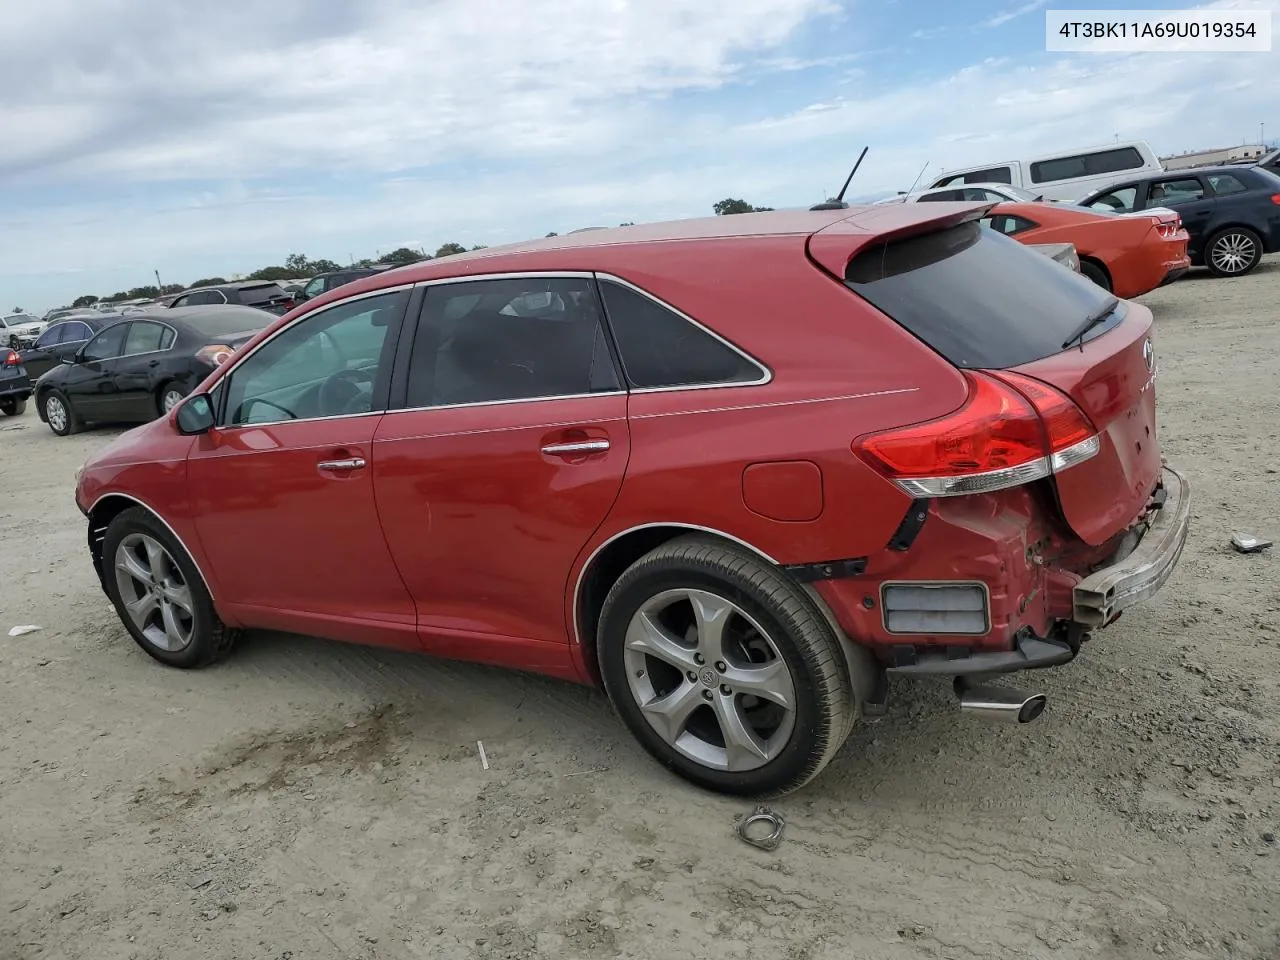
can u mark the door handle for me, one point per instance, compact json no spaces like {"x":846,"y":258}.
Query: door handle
{"x":575,"y":446}
{"x":350,"y":463}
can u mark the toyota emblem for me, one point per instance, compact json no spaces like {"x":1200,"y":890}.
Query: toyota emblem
{"x":1149,"y":355}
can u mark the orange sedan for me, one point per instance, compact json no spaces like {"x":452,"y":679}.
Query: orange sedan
{"x":1127,"y":254}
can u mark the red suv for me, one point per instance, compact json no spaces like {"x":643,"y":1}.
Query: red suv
{"x":735,"y":470}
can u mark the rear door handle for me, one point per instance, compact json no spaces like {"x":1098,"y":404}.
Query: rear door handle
{"x":350,"y":463}
{"x":575,"y":446}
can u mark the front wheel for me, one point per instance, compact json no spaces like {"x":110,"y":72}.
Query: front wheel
{"x":159,"y":594}
{"x":723,"y":669}
{"x":13,"y":408}
{"x":1233,"y":252}
{"x":58,"y":414}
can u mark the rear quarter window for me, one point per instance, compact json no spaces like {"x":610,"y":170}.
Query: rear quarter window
{"x":978,"y":298}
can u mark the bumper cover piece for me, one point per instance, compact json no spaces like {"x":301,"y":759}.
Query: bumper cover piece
{"x":1099,"y":597}
{"x":1029,"y":653}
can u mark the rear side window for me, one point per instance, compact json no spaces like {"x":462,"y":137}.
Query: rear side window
{"x":1224,"y":184}
{"x":1086,"y":165}
{"x":993,"y":175}
{"x":1175,"y":191}
{"x":261,"y":294}
{"x":978,"y":298}
{"x":660,"y":348}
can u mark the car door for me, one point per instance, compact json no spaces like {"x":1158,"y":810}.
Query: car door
{"x":505,"y":455}
{"x":137,"y":370}
{"x":1189,"y":196}
{"x":90,"y":380}
{"x":282,"y":486}
{"x":51,"y":346}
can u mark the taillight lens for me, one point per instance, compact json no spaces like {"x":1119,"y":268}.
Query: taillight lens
{"x":1275,"y":198}
{"x":1011,"y":430}
{"x":215,"y":354}
{"x":12,"y":359}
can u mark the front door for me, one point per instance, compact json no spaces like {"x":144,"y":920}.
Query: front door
{"x":282,"y":488}
{"x":506,"y":456}
{"x":90,"y":382}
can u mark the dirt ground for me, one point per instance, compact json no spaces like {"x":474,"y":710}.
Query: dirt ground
{"x":311,"y":800}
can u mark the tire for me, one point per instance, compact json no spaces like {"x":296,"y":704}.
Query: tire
{"x":169,"y":391}
{"x":782,"y":750}
{"x":178,"y":626}
{"x":59,"y":413}
{"x":1092,"y":271}
{"x":1233,"y":252}
{"x":13,"y":408}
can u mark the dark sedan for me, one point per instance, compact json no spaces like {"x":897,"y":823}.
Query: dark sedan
{"x":1231,"y":212}
{"x":139,"y":367}
{"x":264,"y":294}
{"x":61,"y":341}
{"x":15,"y":385}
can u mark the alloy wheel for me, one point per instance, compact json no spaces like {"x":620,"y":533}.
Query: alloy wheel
{"x":1233,"y":252}
{"x":154,"y":592}
{"x":56,"y":414}
{"x":709,"y":680}
{"x":170,"y":399}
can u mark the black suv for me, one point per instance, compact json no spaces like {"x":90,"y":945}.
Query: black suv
{"x":263,"y":294}
{"x":1231,"y":212}
{"x":324,"y":282}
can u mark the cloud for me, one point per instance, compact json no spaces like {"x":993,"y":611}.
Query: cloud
{"x":144,"y":138}
{"x":1004,"y":17}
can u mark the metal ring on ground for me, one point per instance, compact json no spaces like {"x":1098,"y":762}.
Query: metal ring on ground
{"x":762,"y":815}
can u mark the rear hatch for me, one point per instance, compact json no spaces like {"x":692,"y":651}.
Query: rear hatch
{"x":267,"y":296}
{"x":1017,"y":320}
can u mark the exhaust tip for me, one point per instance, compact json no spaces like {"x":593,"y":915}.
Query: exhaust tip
{"x":1001,"y":703}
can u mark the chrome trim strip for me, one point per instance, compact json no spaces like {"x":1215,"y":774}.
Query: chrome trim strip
{"x":582,"y":573}
{"x":513,"y":275}
{"x":351,"y":463}
{"x":499,"y":403}
{"x":505,"y":428}
{"x":280,"y":423}
{"x":773,"y":403}
{"x":155,"y":513}
{"x":765,"y":371}
{"x":584,"y":446}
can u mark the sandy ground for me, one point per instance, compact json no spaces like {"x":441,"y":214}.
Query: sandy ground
{"x":312,"y":800}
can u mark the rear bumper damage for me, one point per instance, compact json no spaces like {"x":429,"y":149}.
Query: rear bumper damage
{"x":1101,"y":596}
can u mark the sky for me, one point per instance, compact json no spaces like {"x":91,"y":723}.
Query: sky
{"x":158,"y":135}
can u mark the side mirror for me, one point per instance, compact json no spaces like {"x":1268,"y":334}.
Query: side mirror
{"x":195,"y":415}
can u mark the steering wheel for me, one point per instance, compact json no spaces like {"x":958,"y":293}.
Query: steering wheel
{"x":341,"y":393}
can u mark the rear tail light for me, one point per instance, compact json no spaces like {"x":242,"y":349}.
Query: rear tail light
{"x":12,"y":359}
{"x":1011,"y":430}
{"x":1169,"y":228}
{"x":1275,"y":198}
{"x":215,"y":354}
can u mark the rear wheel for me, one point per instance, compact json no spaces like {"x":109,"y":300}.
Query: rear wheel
{"x":58,"y":414}
{"x":13,"y":408}
{"x":723,"y":669}
{"x":159,"y":594}
{"x":1095,"y":273}
{"x":1233,"y":252}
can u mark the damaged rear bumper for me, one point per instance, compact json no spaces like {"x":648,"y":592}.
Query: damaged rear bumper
{"x":1101,"y":596}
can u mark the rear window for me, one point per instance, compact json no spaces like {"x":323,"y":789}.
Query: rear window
{"x":229,"y":320}
{"x":260,"y":293}
{"x":978,"y":298}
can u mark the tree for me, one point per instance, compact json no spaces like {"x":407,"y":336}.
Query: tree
{"x":300,"y":265}
{"x":206,"y":282}
{"x":553,"y":234}
{"x":85,"y":301}
{"x":172,"y":288}
{"x":481,"y":246}
{"x":323,"y":266}
{"x":402,"y":256}
{"x":629,"y":223}
{"x":730,"y":205}
{"x":272,"y":273}
{"x":118,"y":296}
{"x":144,"y":293}
{"x":449,"y":249}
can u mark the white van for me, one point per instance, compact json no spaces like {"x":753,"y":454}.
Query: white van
{"x":1069,"y":175}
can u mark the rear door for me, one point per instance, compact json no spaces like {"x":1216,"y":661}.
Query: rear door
{"x":1190,"y":196}
{"x":138,"y":369}
{"x":505,"y":456}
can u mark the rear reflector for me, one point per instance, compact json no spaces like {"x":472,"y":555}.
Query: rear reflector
{"x":1011,"y":430}
{"x":951,"y":608}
